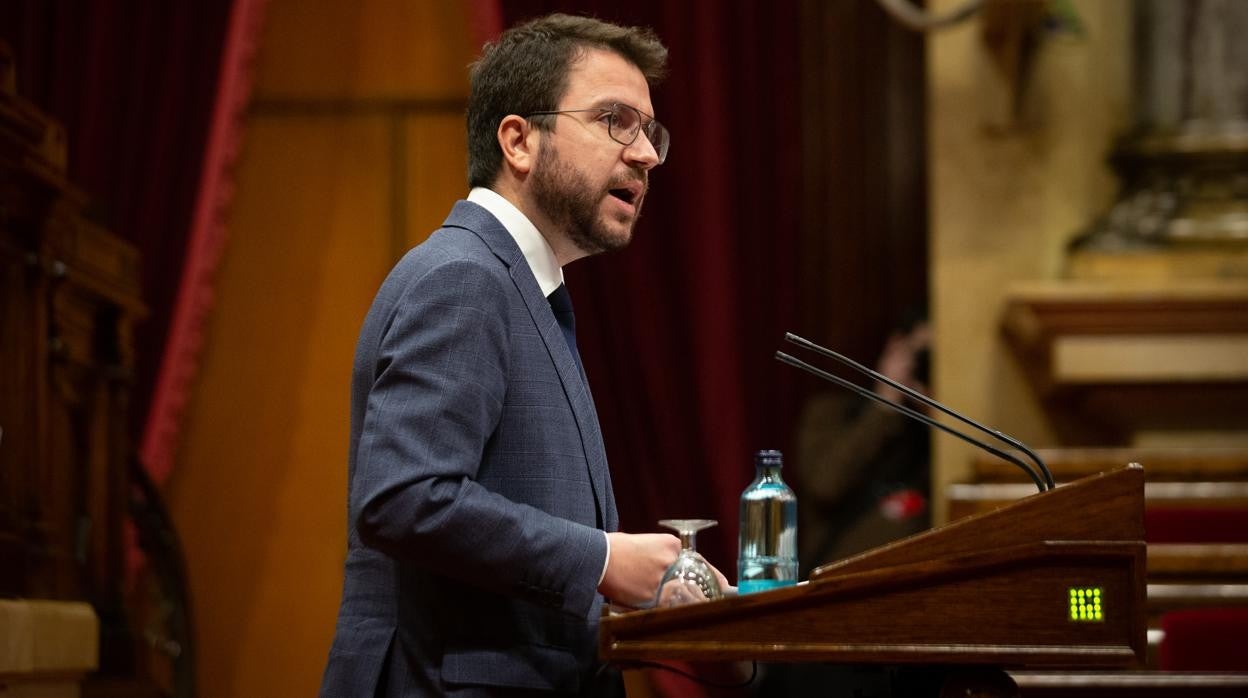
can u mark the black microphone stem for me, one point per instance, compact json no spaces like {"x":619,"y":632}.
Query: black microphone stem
{"x":914,"y":414}
{"x":1043,"y":469}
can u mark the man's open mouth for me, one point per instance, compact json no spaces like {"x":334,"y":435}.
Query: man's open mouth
{"x":628,"y":194}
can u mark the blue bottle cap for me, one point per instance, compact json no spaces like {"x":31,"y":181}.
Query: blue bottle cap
{"x":768,"y":459}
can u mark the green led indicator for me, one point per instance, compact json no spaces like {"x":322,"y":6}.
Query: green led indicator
{"x":1085,"y":604}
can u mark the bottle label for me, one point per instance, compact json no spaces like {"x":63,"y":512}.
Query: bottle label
{"x":756,"y":585}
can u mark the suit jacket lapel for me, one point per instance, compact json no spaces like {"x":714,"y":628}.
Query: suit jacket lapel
{"x":476,"y":219}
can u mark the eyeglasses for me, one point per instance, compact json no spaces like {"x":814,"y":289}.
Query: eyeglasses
{"x":624,"y":122}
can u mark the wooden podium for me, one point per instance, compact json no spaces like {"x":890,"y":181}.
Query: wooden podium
{"x":1052,"y":580}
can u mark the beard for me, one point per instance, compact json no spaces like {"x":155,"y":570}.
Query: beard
{"x":568,"y":198}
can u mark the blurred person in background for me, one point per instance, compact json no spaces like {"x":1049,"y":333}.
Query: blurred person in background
{"x":863,"y":470}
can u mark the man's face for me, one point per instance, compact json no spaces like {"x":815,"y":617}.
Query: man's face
{"x":587,"y":184}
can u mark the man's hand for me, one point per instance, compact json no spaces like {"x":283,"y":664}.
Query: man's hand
{"x":680,"y":592}
{"x":636,"y":566}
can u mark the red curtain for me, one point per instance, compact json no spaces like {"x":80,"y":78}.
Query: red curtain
{"x":678,"y":331}
{"x":205,"y":241}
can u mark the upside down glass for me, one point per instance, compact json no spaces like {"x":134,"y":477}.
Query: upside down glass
{"x":690,"y":579}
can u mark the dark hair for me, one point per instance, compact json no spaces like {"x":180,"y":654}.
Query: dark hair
{"x":526,"y":71}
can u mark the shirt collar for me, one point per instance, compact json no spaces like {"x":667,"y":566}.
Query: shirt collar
{"x":536,"y":250}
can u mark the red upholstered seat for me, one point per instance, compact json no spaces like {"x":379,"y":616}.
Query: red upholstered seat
{"x":1196,"y":525}
{"x":1205,"y":639}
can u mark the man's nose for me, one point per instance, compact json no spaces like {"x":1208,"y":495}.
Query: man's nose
{"x":642,"y":153}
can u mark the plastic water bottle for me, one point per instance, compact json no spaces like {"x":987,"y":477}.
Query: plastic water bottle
{"x":767,"y":557}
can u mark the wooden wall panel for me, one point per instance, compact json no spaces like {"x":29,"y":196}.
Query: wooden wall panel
{"x":354,"y":152}
{"x":259,"y":492}
{"x":430,"y":191}
{"x":373,"y":48}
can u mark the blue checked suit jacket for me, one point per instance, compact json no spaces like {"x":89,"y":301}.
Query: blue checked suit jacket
{"x":478,"y":486}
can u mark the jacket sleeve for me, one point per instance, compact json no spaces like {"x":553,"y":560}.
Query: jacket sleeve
{"x":440,"y":378}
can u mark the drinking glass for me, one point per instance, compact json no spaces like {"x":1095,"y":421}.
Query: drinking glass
{"x":690,"y":579}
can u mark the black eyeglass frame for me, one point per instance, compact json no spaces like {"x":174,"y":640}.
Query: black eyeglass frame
{"x":645,"y":122}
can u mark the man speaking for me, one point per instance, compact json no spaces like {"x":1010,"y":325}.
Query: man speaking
{"x":482,"y":523}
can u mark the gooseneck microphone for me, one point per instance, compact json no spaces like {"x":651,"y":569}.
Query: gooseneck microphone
{"x":1039,"y":472}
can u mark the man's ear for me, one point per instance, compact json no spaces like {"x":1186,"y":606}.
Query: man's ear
{"x":519,"y":142}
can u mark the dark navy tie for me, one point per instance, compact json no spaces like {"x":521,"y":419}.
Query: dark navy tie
{"x":561,"y":304}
